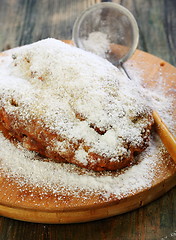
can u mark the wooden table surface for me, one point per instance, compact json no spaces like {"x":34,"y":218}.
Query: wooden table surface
{"x":27,"y":21}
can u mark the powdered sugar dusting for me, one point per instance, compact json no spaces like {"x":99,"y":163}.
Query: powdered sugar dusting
{"x":26,"y":167}
{"x":98,"y":43}
{"x":77,"y":83}
{"x":24,"y":164}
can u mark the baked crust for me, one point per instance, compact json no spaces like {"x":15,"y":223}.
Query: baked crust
{"x":36,"y":135}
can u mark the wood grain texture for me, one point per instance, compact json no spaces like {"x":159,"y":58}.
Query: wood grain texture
{"x":26,"y":21}
{"x":158,"y":36}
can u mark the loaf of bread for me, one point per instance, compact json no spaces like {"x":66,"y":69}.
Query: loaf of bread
{"x":72,"y":106}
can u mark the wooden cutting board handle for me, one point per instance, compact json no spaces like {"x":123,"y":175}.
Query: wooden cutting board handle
{"x":166,"y":136}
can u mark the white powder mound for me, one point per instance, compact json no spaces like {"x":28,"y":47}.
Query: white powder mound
{"x":77,"y":82}
{"x":22,"y":164}
{"x":98,"y":43}
{"x":25,"y":166}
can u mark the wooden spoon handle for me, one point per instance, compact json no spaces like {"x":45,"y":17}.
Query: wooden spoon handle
{"x":166,"y":136}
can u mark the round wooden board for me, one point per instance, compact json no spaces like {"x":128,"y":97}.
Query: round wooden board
{"x":29,"y":204}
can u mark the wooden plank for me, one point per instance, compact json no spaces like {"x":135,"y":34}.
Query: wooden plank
{"x":24,"y":22}
{"x":158,"y":36}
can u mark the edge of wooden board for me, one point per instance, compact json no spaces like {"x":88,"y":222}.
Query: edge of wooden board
{"x":90,"y":212}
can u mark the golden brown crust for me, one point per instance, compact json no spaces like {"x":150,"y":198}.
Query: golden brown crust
{"x":35,"y":136}
{"x":38,"y":139}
